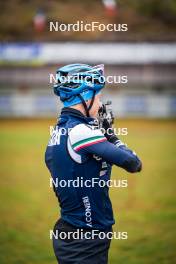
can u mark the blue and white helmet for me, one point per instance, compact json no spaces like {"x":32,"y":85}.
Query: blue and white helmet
{"x":78,"y":82}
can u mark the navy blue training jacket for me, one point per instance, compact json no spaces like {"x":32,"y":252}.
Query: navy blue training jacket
{"x":79,"y":151}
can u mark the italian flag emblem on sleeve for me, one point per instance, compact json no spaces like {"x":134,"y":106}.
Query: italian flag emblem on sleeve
{"x":88,"y":142}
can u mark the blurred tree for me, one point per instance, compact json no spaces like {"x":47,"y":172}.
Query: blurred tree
{"x":160,"y":9}
{"x":147,"y":19}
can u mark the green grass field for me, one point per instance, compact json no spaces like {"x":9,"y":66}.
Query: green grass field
{"x":146,"y":209}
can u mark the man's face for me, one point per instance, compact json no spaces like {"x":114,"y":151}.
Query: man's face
{"x":95,"y":107}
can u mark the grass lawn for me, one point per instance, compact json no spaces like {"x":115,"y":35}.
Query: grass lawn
{"x":146,"y":209}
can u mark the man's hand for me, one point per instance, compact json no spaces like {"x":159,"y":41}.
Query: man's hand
{"x":109,"y":131}
{"x":106,"y":121}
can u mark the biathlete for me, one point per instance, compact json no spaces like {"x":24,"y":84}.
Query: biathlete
{"x":84,"y":152}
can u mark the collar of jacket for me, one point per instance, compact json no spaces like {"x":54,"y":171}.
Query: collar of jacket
{"x":68,"y":111}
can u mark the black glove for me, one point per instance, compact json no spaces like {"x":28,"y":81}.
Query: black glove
{"x":106,"y":118}
{"x":109,"y":131}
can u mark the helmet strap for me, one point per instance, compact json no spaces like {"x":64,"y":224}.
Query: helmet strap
{"x":87,"y":109}
{"x":92,"y":101}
